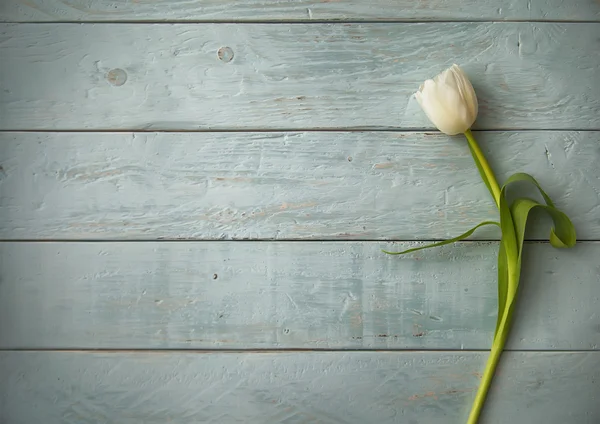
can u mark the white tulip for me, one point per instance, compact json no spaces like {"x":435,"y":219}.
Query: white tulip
{"x":449,"y":101}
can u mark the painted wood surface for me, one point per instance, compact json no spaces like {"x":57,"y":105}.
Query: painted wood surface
{"x":114,"y":324}
{"x":296,"y":10}
{"x":271,"y":76}
{"x":264,"y":295}
{"x":311,"y":185}
{"x":326,"y":387}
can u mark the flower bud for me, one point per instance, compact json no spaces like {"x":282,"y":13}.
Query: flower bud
{"x":449,"y":101}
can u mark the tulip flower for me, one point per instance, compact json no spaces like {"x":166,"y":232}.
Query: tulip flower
{"x":450,"y":102}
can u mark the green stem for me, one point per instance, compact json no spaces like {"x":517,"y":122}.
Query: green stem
{"x":484,"y":168}
{"x":490,"y":366}
{"x":486,"y":381}
{"x":501,"y":335}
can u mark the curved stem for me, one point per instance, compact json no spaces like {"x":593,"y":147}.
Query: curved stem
{"x":484,"y":168}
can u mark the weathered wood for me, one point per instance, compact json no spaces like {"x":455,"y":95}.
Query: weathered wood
{"x":302,"y":387}
{"x":296,"y":10}
{"x":289,"y":295}
{"x":62,"y":76}
{"x":371,"y":185}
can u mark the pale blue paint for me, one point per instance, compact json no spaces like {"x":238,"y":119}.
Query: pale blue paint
{"x":293,"y":76}
{"x":275,"y":295}
{"x":300,"y":387}
{"x":296,"y":10}
{"x":268,"y":294}
{"x":311,"y":185}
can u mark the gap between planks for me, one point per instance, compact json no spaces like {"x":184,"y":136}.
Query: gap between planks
{"x":281,"y":350}
{"x":305,"y":21}
{"x":401,"y":130}
{"x":271,"y":240}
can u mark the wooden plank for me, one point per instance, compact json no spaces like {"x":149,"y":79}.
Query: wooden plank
{"x":172,"y":77}
{"x":302,"y":387}
{"x":289,"y":295}
{"x":297,"y":10}
{"x":313,"y":185}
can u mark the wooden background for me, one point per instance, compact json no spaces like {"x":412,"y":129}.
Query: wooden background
{"x":194,"y":195}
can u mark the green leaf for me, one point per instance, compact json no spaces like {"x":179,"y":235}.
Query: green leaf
{"x":563,"y":234}
{"x":442,"y":243}
{"x":503,"y":331}
{"x":502,"y":284}
{"x":521,"y":176}
{"x":513,"y":221}
{"x":509,"y":240}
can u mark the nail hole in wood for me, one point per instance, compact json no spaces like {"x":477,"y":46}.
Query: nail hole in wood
{"x":225,"y":54}
{"x":116,"y":77}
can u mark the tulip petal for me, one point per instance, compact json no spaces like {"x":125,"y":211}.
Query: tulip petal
{"x":436,"y":102}
{"x":449,"y":101}
{"x":467,"y":93}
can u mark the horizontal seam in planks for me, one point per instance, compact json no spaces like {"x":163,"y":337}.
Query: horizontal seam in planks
{"x":283,"y":350}
{"x":283,"y":130}
{"x":267,"y":240}
{"x":298,"y":21}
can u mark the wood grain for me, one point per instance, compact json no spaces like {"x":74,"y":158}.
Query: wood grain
{"x":171,"y":77}
{"x":406,"y":387}
{"x":311,"y":185}
{"x":297,"y":10}
{"x":256,"y":295}
{"x":254,"y":319}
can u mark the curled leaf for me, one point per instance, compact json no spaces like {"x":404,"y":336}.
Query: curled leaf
{"x":522,"y":176}
{"x":513,"y":221}
{"x":563,"y":234}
